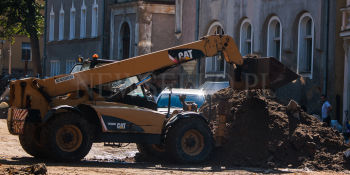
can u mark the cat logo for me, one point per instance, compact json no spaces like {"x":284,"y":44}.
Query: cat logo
{"x":180,"y":55}
{"x":121,"y":125}
{"x":186,"y":55}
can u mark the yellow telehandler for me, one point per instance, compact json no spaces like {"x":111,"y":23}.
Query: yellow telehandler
{"x":104,"y":101}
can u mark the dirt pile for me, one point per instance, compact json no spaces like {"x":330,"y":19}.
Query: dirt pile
{"x":37,"y":169}
{"x":264,"y":133}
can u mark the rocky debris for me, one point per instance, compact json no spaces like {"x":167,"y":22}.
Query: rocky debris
{"x":36,"y":169}
{"x":261,"y":132}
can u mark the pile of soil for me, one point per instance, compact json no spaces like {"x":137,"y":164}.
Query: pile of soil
{"x":261,"y":132}
{"x":37,"y":169}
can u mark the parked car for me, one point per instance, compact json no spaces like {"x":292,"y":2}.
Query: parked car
{"x":210,"y":87}
{"x":192,"y":95}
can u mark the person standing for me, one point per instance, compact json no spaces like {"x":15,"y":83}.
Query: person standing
{"x":326,"y":110}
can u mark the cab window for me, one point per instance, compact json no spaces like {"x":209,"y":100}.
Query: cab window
{"x":120,"y":85}
{"x":76,"y":68}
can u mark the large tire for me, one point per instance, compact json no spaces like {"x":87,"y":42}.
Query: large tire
{"x":189,"y":140}
{"x":68,"y":137}
{"x":31,"y":141}
{"x":151,"y":150}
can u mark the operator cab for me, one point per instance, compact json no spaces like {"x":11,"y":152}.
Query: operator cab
{"x":123,"y":91}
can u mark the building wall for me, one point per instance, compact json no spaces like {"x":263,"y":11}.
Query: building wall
{"x":17,"y":64}
{"x":185,"y":32}
{"x":345,"y":34}
{"x":163,"y":27}
{"x":336,"y":72}
{"x":151,"y":26}
{"x":120,"y":14}
{"x":230,"y":14}
{"x":70,"y":49}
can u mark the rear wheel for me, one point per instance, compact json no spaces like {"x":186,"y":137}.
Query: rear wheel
{"x":189,"y":140}
{"x":69,"y":137}
{"x":31,"y":140}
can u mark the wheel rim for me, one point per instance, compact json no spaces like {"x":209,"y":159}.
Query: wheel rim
{"x":69,"y":138}
{"x":192,"y":142}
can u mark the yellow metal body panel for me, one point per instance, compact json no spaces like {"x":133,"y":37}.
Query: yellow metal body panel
{"x":150,"y":121}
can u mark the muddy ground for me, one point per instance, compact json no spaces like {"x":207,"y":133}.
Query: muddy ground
{"x":107,"y":160}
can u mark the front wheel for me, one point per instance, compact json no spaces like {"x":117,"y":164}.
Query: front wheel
{"x":31,"y":140}
{"x":69,"y":137}
{"x":189,"y":140}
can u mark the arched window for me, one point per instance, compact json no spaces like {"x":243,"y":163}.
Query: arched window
{"x":55,"y":67}
{"x":94,"y":20}
{"x":274,"y":38}
{"x":214,"y":66}
{"x":72,"y":22}
{"x":61,"y":22}
{"x":306,"y":45}
{"x":83,"y":20}
{"x":246,"y":37}
{"x":52,"y":25}
{"x":125,"y":41}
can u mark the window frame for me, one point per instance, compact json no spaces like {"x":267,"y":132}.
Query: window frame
{"x":178,"y":16}
{"x":243,"y":38}
{"x":61,"y":24}
{"x":120,"y":40}
{"x":215,"y":73}
{"x":28,"y":47}
{"x":271,"y":40}
{"x":83,"y":16}
{"x":58,"y":67}
{"x":52,"y":25}
{"x":94,"y":20}
{"x":72,"y":22}
{"x":301,"y":42}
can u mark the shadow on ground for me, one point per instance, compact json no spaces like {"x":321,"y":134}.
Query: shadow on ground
{"x":137,"y":165}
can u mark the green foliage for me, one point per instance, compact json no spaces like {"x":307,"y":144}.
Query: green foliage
{"x":21,"y":17}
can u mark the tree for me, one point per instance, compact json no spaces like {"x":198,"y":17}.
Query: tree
{"x":23,"y":17}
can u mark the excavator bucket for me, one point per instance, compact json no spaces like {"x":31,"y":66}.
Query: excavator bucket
{"x":261,"y":73}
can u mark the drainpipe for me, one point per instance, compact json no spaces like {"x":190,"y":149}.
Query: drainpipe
{"x":45,"y":32}
{"x":325,"y":86}
{"x":196,"y":38}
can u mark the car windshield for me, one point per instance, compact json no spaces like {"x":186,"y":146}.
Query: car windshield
{"x":175,"y":100}
{"x":214,"y":85}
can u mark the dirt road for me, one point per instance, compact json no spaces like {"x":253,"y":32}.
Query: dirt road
{"x":108,"y":160}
